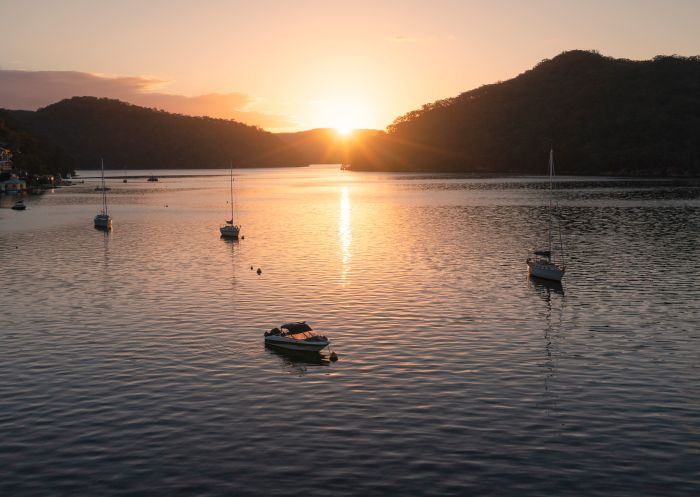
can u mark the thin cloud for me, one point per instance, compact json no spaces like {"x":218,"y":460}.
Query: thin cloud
{"x":405,"y":39}
{"x":30,"y":90}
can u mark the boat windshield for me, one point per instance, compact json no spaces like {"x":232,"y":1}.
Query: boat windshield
{"x":296,"y":327}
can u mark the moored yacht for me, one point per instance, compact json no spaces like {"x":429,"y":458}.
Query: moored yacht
{"x":543,"y":263}
{"x":229,"y":229}
{"x":102,"y":219}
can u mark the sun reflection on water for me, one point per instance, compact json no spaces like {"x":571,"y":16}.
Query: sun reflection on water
{"x":345,"y":232}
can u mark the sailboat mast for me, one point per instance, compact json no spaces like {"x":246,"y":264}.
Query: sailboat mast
{"x":231,"y":194}
{"x":551,"y":173}
{"x":104,"y":193}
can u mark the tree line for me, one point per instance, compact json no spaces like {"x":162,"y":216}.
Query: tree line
{"x":601,"y":115}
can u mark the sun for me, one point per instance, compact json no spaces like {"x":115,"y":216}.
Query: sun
{"x":344,"y":129}
{"x":344,"y":114}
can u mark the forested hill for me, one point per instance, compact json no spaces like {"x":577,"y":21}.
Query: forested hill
{"x":600,"y":115}
{"x":32,"y":154}
{"x":126,"y":135}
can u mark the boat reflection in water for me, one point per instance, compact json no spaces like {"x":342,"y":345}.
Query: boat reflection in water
{"x":545,"y":287}
{"x":552,"y":295}
{"x":298,"y":360}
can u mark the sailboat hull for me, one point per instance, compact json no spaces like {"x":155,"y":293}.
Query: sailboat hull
{"x":546,"y":271}
{"x":103,"y":222}
{"x":230,"y":231}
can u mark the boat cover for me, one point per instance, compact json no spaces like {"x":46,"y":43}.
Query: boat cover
{"x":297,"y":327}
{"x":309,"y":336}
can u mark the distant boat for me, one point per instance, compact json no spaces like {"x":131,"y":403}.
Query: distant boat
{"x":230,"y":230}
{"x":19,"y":206}
{"x":60,"y":181}
{"x":544,"y":263}
{"x":102,"y":220}
{"x":152,"y":178}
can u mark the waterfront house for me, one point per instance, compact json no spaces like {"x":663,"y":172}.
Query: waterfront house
{"x":13,"y":186}
{"x":5,"y":159}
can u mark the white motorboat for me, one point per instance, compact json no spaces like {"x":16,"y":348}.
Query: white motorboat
{"x":544,"y":263}
{"x":296,"y":336}
{"x":230,"y":230}
{"x":19,"y":206}
{"x":102,"y":219}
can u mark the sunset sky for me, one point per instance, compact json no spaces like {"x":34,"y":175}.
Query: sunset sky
{"x":292,"y":65}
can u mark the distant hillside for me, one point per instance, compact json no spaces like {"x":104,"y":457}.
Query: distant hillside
{"x":88,"y":128}
{"x":601,"y":115}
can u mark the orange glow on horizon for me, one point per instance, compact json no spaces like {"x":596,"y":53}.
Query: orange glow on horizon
{"x":344,"y":130}
{"x":344,"y":114}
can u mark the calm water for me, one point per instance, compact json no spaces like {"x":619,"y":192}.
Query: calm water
{"x":133,"y":363}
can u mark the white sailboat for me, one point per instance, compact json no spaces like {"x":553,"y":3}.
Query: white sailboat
{"x":230,"y":230}
{"x":102,"y":220}
{"x":546,"y":264}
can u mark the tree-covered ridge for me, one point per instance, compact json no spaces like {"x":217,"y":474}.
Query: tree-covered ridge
{"x":601,"y":115}
{"x":31,"y":154}
{"x":126,"y":135}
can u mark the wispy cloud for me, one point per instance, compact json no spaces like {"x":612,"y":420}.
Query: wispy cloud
{"x":29,"y":90}
{"x":405,"y":39}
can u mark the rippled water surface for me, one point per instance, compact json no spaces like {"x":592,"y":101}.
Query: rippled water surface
{"x":132,"y":362}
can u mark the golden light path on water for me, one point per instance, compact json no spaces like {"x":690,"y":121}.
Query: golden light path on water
{"x":345,"y":232}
